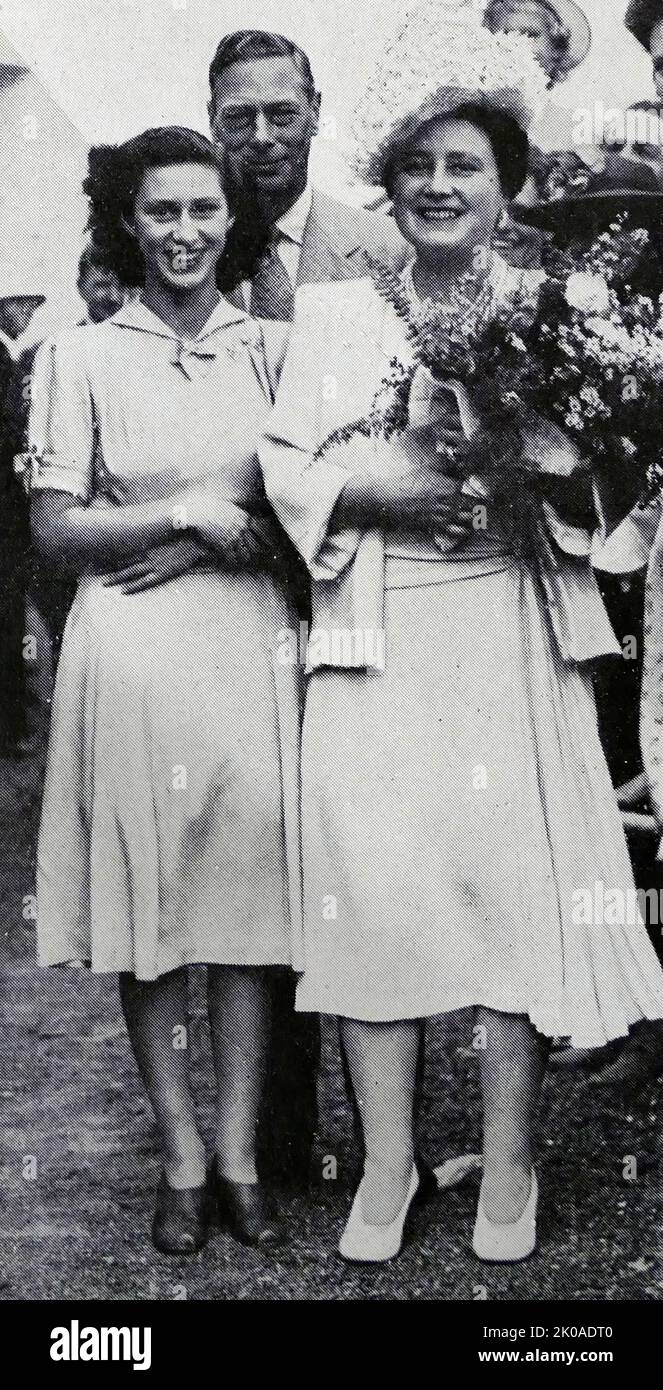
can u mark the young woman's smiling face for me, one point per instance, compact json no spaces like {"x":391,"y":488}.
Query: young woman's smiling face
{"x":181,"y":222}
{"x":446,"y":190}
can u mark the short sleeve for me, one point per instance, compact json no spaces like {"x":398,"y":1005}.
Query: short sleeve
{"x":61,"y":420}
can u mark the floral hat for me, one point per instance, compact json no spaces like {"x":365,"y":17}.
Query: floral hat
{"x":443,"y":58}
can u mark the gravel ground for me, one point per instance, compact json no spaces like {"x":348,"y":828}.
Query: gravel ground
{"x":75,"y":1223}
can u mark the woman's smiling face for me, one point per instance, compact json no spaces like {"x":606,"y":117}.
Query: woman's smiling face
{"x":181,"y":222}
{"x":446,"y":190}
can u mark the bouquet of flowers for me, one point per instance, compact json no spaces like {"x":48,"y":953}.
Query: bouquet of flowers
{"x":556,"y":375}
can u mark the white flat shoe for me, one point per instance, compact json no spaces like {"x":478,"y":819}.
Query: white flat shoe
{"x":515,"y":1240}
{"x":375,"y":1244}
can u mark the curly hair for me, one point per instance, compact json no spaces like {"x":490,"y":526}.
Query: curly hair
{"x":509,"y":144}
{"x":115,"y":175}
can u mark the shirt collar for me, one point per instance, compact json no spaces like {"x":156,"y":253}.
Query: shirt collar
{"x":293,"y":222}
{"x":134,"y":314}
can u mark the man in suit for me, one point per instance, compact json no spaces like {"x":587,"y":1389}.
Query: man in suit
{"x":264,"y":111}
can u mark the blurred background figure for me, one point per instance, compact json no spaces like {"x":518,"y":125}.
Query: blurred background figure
{"x":16,"y":312}
{"x":18,"y":303}
{"x":99,"y":287}
{"x":34,"y":599}
{"x":645,"y":130}
{"x":561,"y":39}
{"x":560,"y":31}
{"x":644,"y":19}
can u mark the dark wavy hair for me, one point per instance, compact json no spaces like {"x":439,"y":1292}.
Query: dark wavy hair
{"x":115,"y":175}
{"x":250,"y":45}
{"x":509,"y":144}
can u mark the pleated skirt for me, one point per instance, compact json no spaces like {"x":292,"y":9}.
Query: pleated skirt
{"x":462,"y":844}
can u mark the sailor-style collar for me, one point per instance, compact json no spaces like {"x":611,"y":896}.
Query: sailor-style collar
{"x":192,"y":354}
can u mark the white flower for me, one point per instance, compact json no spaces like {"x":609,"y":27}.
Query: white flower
{"x":591,"y":397}
{"x":612,"y":334}
{"x":589,"y":294}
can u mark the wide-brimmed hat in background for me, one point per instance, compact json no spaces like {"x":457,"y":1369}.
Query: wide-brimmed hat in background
{"x":19,"y":284}
{"x":578,"y":199}
{"x":574,"y":26}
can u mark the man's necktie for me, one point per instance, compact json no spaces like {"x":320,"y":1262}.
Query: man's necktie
{"x":272,"y":293}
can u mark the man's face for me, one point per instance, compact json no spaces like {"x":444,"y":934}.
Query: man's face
{"x":102,"y":293}
{"x":265,"y":119}
{"x":656,"y":50}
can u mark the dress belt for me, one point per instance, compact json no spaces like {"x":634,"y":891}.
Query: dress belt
{"x":432,"y":566}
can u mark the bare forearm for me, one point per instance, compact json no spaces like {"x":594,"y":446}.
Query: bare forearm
{"x":89,"y":536}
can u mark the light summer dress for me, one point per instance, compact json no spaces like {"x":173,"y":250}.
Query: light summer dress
{"x":461,"y":840}
{"x":169,"y":831}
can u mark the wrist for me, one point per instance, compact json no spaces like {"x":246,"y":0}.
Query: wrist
{"x":360,"y":501}
{"x":182,"y":516}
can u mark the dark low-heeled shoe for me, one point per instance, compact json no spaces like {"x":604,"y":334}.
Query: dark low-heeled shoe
{"x":428,"y":1188}
{"x":246,"y":1210}
{"x":181,"y":1218}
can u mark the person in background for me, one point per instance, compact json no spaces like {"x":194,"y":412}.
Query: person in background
{"x":647,"y":147}
{"x":16,"y":313}
{"x":99,"y":287}
{"x":18,"y":303}
{"x":264,"y":111}
{"x":13,"y":546}
{"x":644,"y":19}
{"x":26,"y":577}
{"x":580,"y":211}
{"x":559,"y":30}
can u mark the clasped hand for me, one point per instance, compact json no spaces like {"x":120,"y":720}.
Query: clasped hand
{"x":240,"y":539}
{"x":423,"y":495}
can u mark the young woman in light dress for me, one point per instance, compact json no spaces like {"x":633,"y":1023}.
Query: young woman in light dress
{"x":455,"y":794}
{"x":169,"y":827}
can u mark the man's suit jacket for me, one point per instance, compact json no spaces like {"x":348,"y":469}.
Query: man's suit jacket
{"x":337,"y":240}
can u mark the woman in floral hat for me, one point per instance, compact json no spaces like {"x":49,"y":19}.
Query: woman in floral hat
{"x":455,"y":795}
